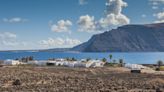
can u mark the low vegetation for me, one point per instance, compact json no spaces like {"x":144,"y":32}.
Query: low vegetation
{"x":61,"y":79}
{"x":160,"y":66}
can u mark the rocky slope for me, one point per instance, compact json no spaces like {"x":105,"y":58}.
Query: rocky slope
{"x":128,"y":38}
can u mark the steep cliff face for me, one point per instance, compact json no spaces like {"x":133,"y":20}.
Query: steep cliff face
{"x":128,"y":38}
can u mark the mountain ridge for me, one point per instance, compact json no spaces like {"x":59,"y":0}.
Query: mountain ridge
{"x":127,"y":38}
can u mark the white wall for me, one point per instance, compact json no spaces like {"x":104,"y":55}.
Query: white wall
{"x":11,"y":62}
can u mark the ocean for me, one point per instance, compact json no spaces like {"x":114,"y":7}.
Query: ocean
{"x":137,"y":58}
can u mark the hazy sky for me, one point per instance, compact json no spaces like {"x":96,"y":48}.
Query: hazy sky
{"x":40,"y":24}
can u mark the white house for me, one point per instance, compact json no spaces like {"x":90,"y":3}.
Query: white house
{"x":42,"y":63}
{"x":32,"y":62}
{"x":59,"y":63}
{"x":87,"y":64}
{"x":79,"y":64}
{"x":11,"y":62}
{"x":72,"y":64}
{"x":134,"y":66}
{"x":98,"y":64}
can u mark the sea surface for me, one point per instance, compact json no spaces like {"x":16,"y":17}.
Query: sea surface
{"x":137,"y":58}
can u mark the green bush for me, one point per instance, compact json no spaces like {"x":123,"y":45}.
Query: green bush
{"x":161,"y":68}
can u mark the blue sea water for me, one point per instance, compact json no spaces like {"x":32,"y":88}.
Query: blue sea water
{"x":138,"y":58}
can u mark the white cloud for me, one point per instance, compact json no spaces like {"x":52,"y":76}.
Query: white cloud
{"x":115,"y":6}
{"x":86,"y":23}
{"x":156,"y":3}
{"x":15,"y":20}
{"x":160,"y":17}
{"x":61,"y":26}
{"x":82,"y":2}
{"x":155,"y":7}
{"x":114,"y":14}
{"x":59,"y":42}
{"x":113,"y":17}
{"x":113,"y":20}
{"x":8,"y":39}
{"x":159,"y":21}
{"x":143,"y":15}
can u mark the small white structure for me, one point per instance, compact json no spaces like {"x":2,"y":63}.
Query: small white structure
{"x":59,"y":63}
{"x":11,"y":62}
{"x":42,"y":63}
{"x":32,"y":62}
{"x":52,"y":62}
{"x":134,"y":66}
{"x":86,"y":64}
{"x":39,"y":63}
{"x":72,"y":64}
{"x":98,"y":63}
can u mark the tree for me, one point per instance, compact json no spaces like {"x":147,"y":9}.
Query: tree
{"x":73,"y":59}
{"x":88,"y":59}
{"x":110,"y":56}
{"x":31,"y":58}
{"x":23,"y":59}
{"x":104,"y":60}
{"x":67,"y":58}
{"x":160,"y":63}
{"x":121,"y":61}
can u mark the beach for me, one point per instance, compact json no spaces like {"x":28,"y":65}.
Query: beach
{"x":63,"y":79}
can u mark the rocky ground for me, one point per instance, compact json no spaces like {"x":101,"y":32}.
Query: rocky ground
{"x":60,"y":79}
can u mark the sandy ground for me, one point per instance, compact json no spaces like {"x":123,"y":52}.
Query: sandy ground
{"x":60,"y":79}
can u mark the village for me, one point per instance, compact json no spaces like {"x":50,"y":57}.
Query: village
{"x":74,"y":63}
{"x":70,"y":62}
{"x":57,"y":62}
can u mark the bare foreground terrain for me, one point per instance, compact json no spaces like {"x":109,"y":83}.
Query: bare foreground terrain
{"x":60,"y":79}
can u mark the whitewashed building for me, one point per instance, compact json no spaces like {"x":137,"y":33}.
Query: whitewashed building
{"x":42,"y":63}
{"x":72,"y":64}
{"x":86,"y":64}
{"x":59,"y":63}
{"x":32,"y":62}
{"x":134,"y":66}
{"x":11,"y":62}
{"x":52,"y":62}
{"x":98,"y":64}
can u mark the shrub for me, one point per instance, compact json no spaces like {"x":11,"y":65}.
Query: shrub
{"x":17,"y":82}
{"x":161,"y":68}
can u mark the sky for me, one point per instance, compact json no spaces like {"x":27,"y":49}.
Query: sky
{"x":43,"y":24}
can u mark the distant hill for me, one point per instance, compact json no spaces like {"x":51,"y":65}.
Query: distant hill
{"x":56,"y":50}
{"x":128,"y":38}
